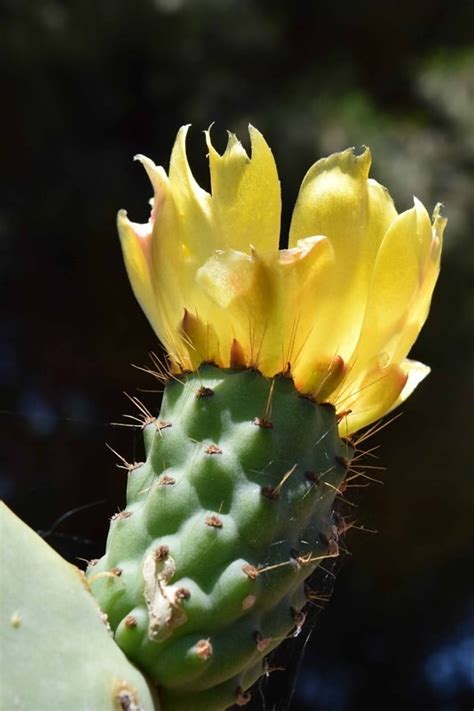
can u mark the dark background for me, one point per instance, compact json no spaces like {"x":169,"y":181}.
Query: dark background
{"x":85,"y":86}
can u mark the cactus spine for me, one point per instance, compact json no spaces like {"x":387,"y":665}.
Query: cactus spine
{"x":225,"y":520}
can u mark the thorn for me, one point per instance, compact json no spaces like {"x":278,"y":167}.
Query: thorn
{"x":250,"y":571}
{"x":285,"y":478}
{"x":375,"y":429}
{"x":313,"y":597}
{"x":203,"y":649}
{"x":269,"y":492}
{"x":299,"y":618}
{"x":268,"y":568}
{"x":182,"y":594}
{"x":213,"y":449}
{"x":242,"y":698}
{"x":161,"y":553}
{"x":166,"y":480}
{"x":130,"y":622}
{"x":213,"y":521}
{"x":269,"y":669}
{"x":341,"y":489}
{"x":140,"y":406}
{"x":126,"y":465}
{"x":308,"y":558}
{"x":204,"y":392}
{"x":261,"y":642}
{"x":121,"y":515}
{"x":273,"y":492}
{"x":316,"y":477}
{"x":343,"y":462}
{"x":341,"y":415}
{"x":313,"y":477}
{"x":263,"y":423}
{"x":162,"y":424}
{"x":125,"y":698}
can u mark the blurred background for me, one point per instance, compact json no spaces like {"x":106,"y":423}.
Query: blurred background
{"x":86,"y":85}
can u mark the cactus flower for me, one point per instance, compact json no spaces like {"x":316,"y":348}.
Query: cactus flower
{"x":338,"y":310}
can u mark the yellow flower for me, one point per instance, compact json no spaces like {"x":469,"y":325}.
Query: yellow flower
{"x":338,"y":310}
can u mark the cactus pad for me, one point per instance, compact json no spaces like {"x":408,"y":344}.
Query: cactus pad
{"x":230,"y":513}
{"x":57,"y":653}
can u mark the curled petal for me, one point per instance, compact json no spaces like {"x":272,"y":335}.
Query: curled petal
{"x":415,"y":372}
{"x":135,"y":240}
{"x":371,"y":398}
{"x":418,"y":311}
{"x":393,"y":287}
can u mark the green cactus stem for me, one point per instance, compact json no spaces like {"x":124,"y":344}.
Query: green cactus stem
{"x":231,"y":512}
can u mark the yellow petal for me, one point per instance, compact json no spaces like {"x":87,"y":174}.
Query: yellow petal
{"x":418,"y":312}
{"x":338,"y":200}
{"x":135,"y":240}
{"x":324,"y":375}
{"x":193,"y":204}
{"x":200,"y":340}
{"x":269,"y":299}
{"x":371,"y":398}
{"x":246,"y":202}
{"x":338,"y":310}
{"x":415,"y":372}
{"x":395,"y":284}
{"x":237,"y":355}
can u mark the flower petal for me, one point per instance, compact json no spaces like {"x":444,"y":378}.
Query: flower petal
{"x":135,"y":240}
{"x":418,"y":312}
{"x":200,"y":340}
{"x":338,"y":200}
{"x":415,"y":372}
{"x":246,"y":201}
{"x":371,"y":398}
{"x":193,"y":204}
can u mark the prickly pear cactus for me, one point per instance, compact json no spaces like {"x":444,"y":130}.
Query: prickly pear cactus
{"x":57,"y":652}
{"x":205,"y":567}
{"x":273,"y":354}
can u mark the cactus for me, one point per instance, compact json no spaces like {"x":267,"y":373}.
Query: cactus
{"x":225,"y":520}
{"x":275,"y":359}
{"x":57,"y":652}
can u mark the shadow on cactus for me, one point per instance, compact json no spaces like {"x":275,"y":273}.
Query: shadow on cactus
{"x":276,"y":358}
